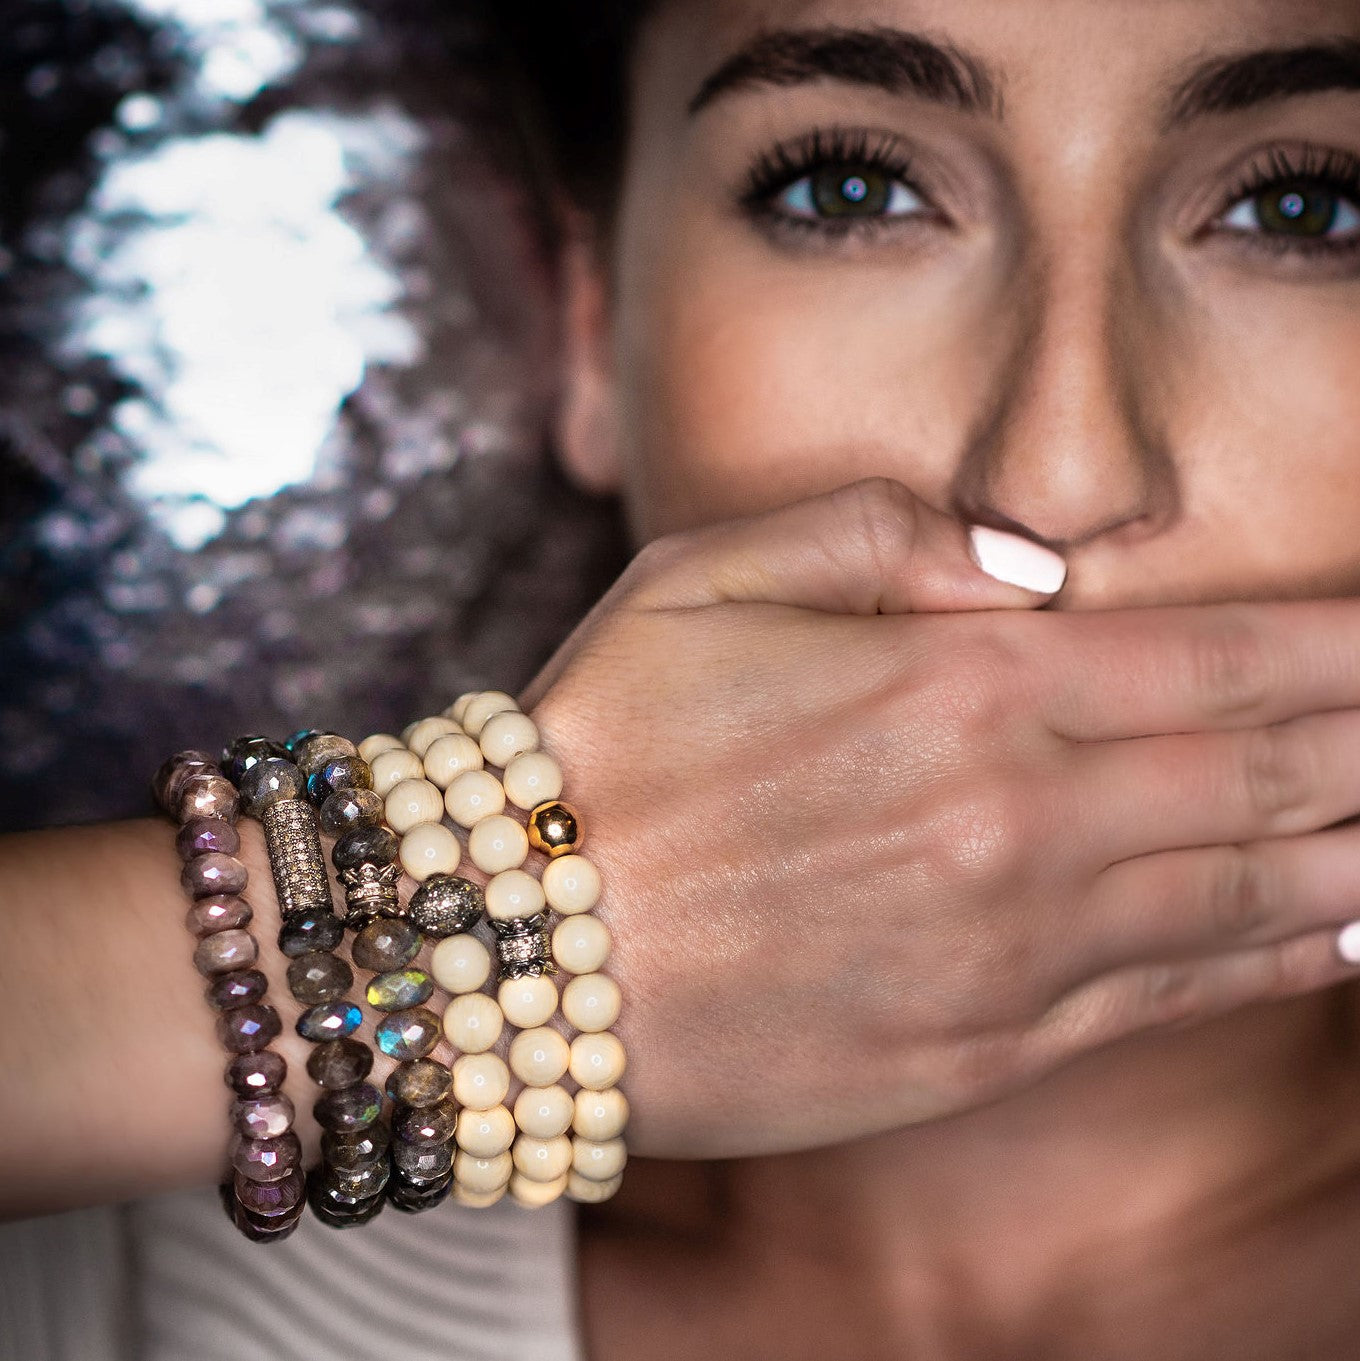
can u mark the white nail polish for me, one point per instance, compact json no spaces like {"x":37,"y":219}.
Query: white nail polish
{"x":1348,"y":943}
{"x":1017,"y":561}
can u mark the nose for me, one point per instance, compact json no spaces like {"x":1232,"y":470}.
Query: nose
{"x":1064,"y":450}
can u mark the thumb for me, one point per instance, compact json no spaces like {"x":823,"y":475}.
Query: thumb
{"x":871,"y":547}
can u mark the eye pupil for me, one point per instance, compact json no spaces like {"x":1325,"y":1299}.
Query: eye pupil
{"x":1309,"y":210}
{"x":1293,"y":205}
{"x":859,"y":191}
{"x":855,"y":189}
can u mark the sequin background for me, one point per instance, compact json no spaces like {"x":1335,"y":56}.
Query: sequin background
{"x":273,"y":337}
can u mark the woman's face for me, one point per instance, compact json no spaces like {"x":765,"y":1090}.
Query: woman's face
{"x":1089,"y":269}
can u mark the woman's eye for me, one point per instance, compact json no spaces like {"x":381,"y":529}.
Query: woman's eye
{"x":839,"y":191}
{"x":1304,"y":209}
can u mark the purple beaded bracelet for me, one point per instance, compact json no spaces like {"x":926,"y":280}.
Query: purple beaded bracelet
{"x":265,"y":1196}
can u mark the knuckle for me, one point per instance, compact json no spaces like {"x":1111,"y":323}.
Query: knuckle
{"x":977,"y":842}
{"x":1239,"y":894}
{"x":1278,"y":774}
{"x":1170,"y":994}
{"x":1232,"y":668}
{"x":883,"y":517}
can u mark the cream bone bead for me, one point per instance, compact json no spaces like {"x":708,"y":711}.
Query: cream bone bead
{"x":540,"y":1056}
{"x":588,"y":1192}
{"x":598,"y":1161}
{"x":542,"y":1159}
{"x":531,"y":779}
{"x":473,"y":1023}
{"x":458,"y":708}
{"x":482,"y":1174}
{"x":498,"y":843}
{"x":482,"y":707}
{"x":421,"y":736}
{"x":534,"y":1195}
{"x":598,"y":1115}
{"x":390,"y":768}
{"x":544,"y":1112}
{"x":507,"y":735}
{"x":485,"y":1134}
{"x":430,"y":848}
{"x":480,"y":1081}
{"x":591,"y":1002}
{"x":481,"y":1200}
{"x":378,"y":743}
{"x":512,"y":895}
{"x":580,"y":944}
{"x":412,"y":802}
{"x":449,"y":757}
{"x":460,"y":963}
{"x":474,"y":795}
{"x":597,"y":1061}
{"x":571,"y":884}
{"x":530,"y":1001}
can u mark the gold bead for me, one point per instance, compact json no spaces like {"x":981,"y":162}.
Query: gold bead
{"x":555,"y":829}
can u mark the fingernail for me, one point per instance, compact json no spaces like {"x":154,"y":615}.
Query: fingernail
{"x":1348,"y":943}
{"x":1017,"y":561}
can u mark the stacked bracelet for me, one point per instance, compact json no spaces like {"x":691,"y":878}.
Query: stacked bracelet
{"x":265,"y":1197}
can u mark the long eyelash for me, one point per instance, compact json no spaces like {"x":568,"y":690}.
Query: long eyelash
{"x":1333,"y":169}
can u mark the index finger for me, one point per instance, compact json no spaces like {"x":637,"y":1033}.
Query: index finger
{"x":1194,"y":668}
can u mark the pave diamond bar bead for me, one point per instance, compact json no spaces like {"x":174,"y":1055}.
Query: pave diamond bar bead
{"x":294,"y":844}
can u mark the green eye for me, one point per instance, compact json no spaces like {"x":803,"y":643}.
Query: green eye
{"x":841,"y":191}
{"x":1301,"y":208}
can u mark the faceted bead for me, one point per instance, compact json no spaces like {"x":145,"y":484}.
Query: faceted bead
{"x":446,"y":904}
{"x":255,"y":1229}
{"x":310,"y":931}
{"x":426,"y":1125}
{"x":267,"y":782}
{"x":348,"y":809}
{"x":224,"y":951}
{"x":218,"y":912}
{"x":239,"y":988}
{"x":422,"y":1162}
{"x":319,"y":976}
{"x":385,"y":944}
{"x":258,"y":1074}
{"x":293,"y":740}
{"x":349,"y":1109}
{"x":271,"y":1197}
{"x":330,"y":1211}
{"x":356,"y":1149}
{"x":208,"y":795}
{"x":339,"y":1063}
{"x":555,"y":829}
{"x":168,"y":782}
{"x":414,"y":1199}
{"x":344,"y":772}
{"x":198,"y":836}
{"x":206,"y":875}
{"x":364,"y":846}
{"x":407,"y":1034}
{"x":249,"y":751}
{"x":399,"y":989}
{"x":313,"y":752}
{"x":263,"y":1117}
{"x":266,"y":1159}
{"x":329,"y":1021}
{"x":420,"y":1083}
{"x":243,"y":1030}
{"x":359,"y":1182}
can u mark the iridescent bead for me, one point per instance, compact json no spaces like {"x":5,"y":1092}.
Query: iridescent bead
{"x":245,"y":752}
{"x":256,"y":1229}
{"x":555,"y":829}
{"x":344,"y":772}
{"x":319,"y":976}
{"x":328,"y":1209}
{"x":310,"y":931}
{"x":349,"y":1109}
{"x":426,"y":1125}
{"x":356,"y":1149}
{"x":206,"y":875}
{"x":386,"y":944}
{"x":329,"y":1021}
{"x":399,"y":989}
{"x":198,"y":836}
{"x":407,"y":1034}
{"x":359,"y":1182}
{"x":364,"y":846}
{"x":414,"y":1199}
{"x":263,"y":1117}
{"x":265,"y":1159}
{"x":446,"y":904}
{"x":168,"y":782}
{"x":348,"y":809}
{"x":258,"y":1074}
{"x":219,"y":912}
{"x":238,"y":988}
{"x":224,"y":951}
{"x":420,"y":1083}
{"x":268,"y":781}
{"x":245,"y":1029}
{"x":314,"y":751}
{"x":293,"y":740}
{"x":208,"y":795}
{"x":271,"y":1197}
{"x":422,"y":1162}
{"x":339,"y":1063}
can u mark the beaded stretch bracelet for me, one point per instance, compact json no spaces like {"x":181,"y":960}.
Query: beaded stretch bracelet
{"x":265,"y":1197}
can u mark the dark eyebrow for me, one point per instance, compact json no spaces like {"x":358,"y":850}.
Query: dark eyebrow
{"x":887,"y":58}
{"x":1231,"y":84}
